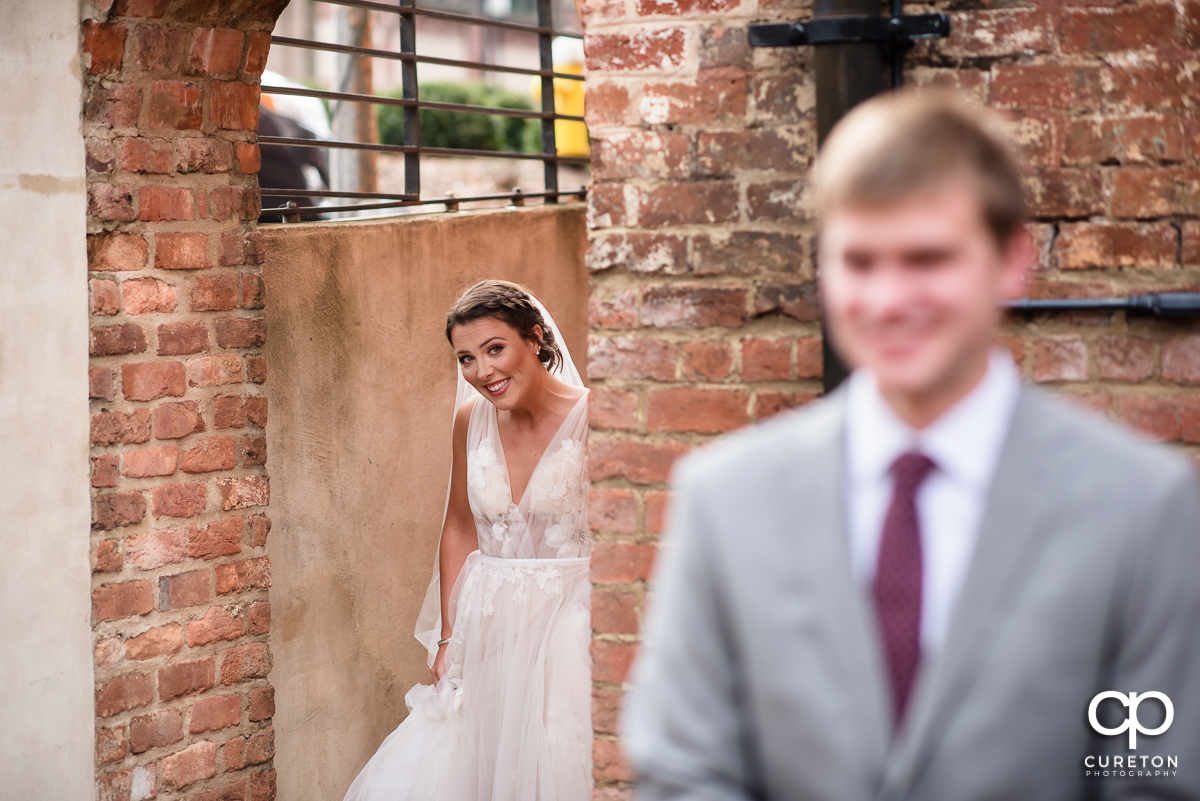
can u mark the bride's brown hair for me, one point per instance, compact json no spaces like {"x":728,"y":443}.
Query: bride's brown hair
{"x":511,"y":304}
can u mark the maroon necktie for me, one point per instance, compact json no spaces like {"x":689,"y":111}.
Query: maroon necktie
{"x":896,"y":590}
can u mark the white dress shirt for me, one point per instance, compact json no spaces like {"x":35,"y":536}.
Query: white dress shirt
{"x":965,"y":444}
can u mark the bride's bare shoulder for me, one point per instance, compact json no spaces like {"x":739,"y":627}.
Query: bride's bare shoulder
{"x":462,"y":418}
{"x":464,"y":409}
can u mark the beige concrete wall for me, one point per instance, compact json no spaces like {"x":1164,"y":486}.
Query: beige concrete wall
{"x":360,"y":389}
{"x":46,"y":732}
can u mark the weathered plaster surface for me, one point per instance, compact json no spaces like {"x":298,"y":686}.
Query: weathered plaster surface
{"x":46,"y":732}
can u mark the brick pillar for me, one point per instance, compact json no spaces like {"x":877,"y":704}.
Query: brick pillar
{"x":704,"y":310}
{"x":179,"y":529}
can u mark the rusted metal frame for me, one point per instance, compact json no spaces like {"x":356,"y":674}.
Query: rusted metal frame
{"x":413,"y":103}
{"x":335,"y":193}
{"x":479,"y":65}
{"x":310,"y":44}
{"x":580,"y":193}
{"x":295,"y":210}
{"x":504,"y":112}
{"x":451,"y":16}
{"x":297,"y":142}
{"x":433,"y":151}
{"x":467,"y":19}
{"x":503,"y":154}
{"x":367,"y":4}
{"x":330,"y":95}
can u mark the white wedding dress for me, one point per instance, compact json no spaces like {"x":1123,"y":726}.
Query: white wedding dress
{"x":511,"y":718}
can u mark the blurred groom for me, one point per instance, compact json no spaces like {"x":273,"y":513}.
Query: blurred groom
{"x":915,"y":588}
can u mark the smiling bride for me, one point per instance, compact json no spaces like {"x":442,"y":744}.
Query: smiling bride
{"x":506,"y":619}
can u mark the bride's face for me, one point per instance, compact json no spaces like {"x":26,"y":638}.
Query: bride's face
{"x":497,"y":360}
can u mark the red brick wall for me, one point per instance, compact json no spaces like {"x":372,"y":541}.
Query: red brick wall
{"x":704,"y":311}
{"x":180,"y":608}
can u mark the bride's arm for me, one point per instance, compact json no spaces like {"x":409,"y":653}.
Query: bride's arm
{"x":458,"y":533}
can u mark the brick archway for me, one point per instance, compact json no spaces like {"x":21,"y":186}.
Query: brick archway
{"x":180,"y":607}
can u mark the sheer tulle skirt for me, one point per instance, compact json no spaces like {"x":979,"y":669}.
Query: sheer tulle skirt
{"x":511,"y":719}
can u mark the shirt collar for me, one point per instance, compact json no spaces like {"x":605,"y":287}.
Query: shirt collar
{"x":964,"y":442}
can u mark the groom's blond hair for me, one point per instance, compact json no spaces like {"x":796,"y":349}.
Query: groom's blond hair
{"x":904,"y":144}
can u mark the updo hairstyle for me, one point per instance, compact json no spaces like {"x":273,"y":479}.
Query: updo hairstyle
{"x":511,"y":304}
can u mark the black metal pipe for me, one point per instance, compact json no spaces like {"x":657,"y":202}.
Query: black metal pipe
{"x":849,"y":40}
{"x":545,"y":17}
{"x":846,"y":75}
{"x":411,"y":90}
{"x":898,"y":47}
{"x":1159,"y":304}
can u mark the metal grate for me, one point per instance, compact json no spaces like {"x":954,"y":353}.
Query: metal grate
{"x":406,"y":12}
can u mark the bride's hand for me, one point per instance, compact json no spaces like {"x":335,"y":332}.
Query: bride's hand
{"x":439,"y":664}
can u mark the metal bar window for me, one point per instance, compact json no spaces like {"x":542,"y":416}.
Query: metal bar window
{"x":546,"y":55}
{"x":355,"y":87}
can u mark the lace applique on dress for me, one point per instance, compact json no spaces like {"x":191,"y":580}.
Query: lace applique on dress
{"x":550,"y":521}
{"x":562,"y":487}
{"x":487,"y":484}
{"x":547,"y":577}
{"x":561,"y":496}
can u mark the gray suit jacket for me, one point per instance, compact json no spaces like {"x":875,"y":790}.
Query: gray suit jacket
{"x":762,"y":676}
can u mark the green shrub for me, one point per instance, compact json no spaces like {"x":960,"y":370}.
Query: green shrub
{"x":460,"y":129}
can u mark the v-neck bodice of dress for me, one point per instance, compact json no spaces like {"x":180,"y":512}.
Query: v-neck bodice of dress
{"x":549,"y":521}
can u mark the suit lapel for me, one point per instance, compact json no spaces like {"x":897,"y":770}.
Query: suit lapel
{"x":1008,"y":542}
{"x":817,"y":482}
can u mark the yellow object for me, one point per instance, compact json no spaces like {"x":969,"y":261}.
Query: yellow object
{"x":570,"y":137}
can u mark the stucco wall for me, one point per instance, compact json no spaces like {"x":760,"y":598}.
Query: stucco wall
{"x":46,"y":733}
{"x":360,"y":388}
